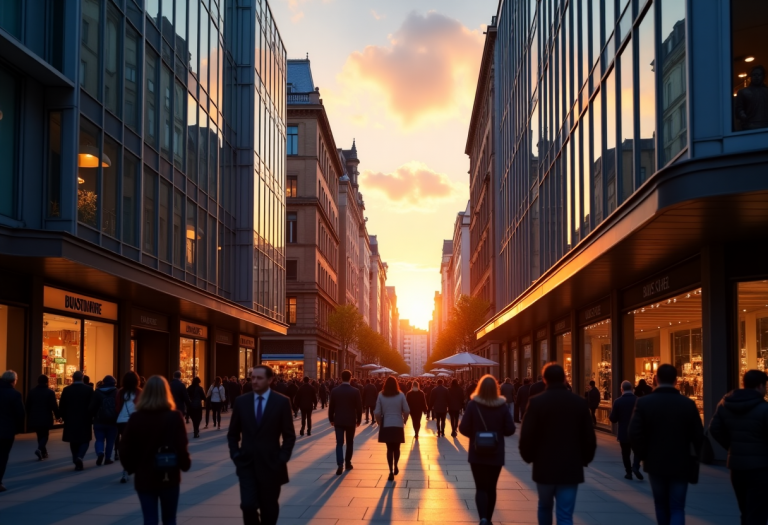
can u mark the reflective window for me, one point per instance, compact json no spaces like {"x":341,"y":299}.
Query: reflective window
{"x":203,"y":151}
{"x":8,"y":143}
{"x":674,"y":133}
{"x":576,"y":184}
{"x":202,"y":246}
{"x":153,"y":9}
{"x":164,"y":220}
{"x":88,"y":164}
{"x":131,"y":91}
{"x":204,"y":51}
{"x":213,"y":249}
{"x":165,"y":111}
{"x":10,"y":17}
{"x":597,"y":157}
{"x":586,"y":160}
{"x":194,"y":7}
{"x":168,"y":22}
{"x":109,"y":185}
{"x":609,"y":17}
{"x":149,"y":215}
{"x":54,"y":163}
{"x":179,"y":108}
{"x":609,"y":161}
{"x":192,"y":236}
{"x":596,"y":38}
{"x":89,"y":47}
{"x":130,"y":200}
{"x":150,"y":98}
{"x":584,"y":39}
{"x":647,"y":97}
{"x":213,"y":165}
{"x":181,"y":28}
{"x":627,"y":161}
{"x":290,"y":309}
{"x":179,"y":245}
{"x":749,"y":58}
{"x":112,"y":69}
{"x":567,"y":79}
{"x":192,"y":138}
{"x":293,"y":140}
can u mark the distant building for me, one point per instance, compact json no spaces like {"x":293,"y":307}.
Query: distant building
{"x":414,"y":344}
{"x":460,"y":257}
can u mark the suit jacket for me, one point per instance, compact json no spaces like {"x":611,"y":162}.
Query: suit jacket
{"x":258,"y":447}
{"x":74,"y":404}
{"x":370,"y":394}
{"x":621,"y":413}
{"x":11,"y":411}
{"x":417,"y":402}
{"x":537,"y":388}
{"x":439,"y":399}
{"x":180,"y":395}
{"x":346,"y":406}
{"x":41,"y":408}
{"x":522,"y":397}
{"x":305,"y":397}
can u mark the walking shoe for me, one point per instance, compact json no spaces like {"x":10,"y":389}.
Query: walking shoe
{"x":39,"y":454}
{"x":397,"y":470}
{"x":348,"y":466}
{"x":78,"y":464}
{"x":309,"y":433}
{"x":485,"y":522}
{"x":45,"y":455}
{"x":108,"y":461}
{"x":628,"y":475}
{"x":391,"y":477}
{"x":100,"y":459}
{"x":206,"y":425}
{"x":124,"y":479}
{"x":339,"y":470}
{"x":454,"y":434}
{"x":638,"y":474}
{"x":301,"y":433}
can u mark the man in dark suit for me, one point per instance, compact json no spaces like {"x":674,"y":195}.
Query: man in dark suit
{"x":622,"y":411}
{"x":180,"y":394}
{"x":522,"y":399}
{"x":593,"y":399}
{"x":11,"y":418}
{"x":345,"y":412}
{"x":537,"y":388}
{"x":78,"y":429}
{"x":370,"y":394}
{"x":665,"y":431}
{"x":260,"y":418}
{"x":438,"y":400}
{"x":305,"y":400}
{"x":558,"y":463}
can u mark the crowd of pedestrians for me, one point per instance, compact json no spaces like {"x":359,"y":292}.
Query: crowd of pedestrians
{"x":141,"y":424}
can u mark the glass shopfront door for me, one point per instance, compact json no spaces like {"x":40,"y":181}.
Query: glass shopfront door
{"x":565,"y":354}
{"x":245,"y":362}
{"x":192,"y":359}
{"x":597,"y":355}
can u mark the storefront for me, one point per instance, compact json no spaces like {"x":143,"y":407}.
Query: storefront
{"x":597,"y":356}
{"x":564,"y":348}
{"x":527,"y":359}
{"x":79,"y":333}
{"x":290,"y":366}
{"x":247,"y":346}
{"x":12,"y":341}
{"x":150,"y":343}
{"x":193,"y":355}
{"x":542,"y":351}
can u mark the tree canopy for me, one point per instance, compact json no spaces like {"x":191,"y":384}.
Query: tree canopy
{"x":459,"y":333}
{"x":345,"y":323}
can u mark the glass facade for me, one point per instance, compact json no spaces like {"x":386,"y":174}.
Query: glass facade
{"x":578,"y":120}
{"x":192,"y":359}
{"x":753,"y":326}
{"x":749,"y":58}
{"x":565,"y":355}
{"x":8,"y":142}
{"x":596,"y":358}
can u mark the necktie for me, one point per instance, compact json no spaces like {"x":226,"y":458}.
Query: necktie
{"x":259,"y":410}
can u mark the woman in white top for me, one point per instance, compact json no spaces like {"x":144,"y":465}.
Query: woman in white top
{"x":391,"y":414}
{"x":217,"y":395}
{"x":125,"y":405}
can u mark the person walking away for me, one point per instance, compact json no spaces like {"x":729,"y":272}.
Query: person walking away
{"x":558,"y":464}
{"x":196,"y":399}
{"x":438,"y":400}
{"x":73,"y":406}
{"x":260,"y":419}
{"x":370,"y":394}
{"x":217,"y":395}
{"x":305,"y":400}
{"x":486,"y":413}
{"x":428,"y":394}
{"x":522,"y":398}
{"x":323,"y":393}
{"x":740,"y":425}
{"x":237,"y":391}
{"x":622,"y":411}
{"x":103,"y":408}
{"x":126,"y":405}
{"x":593,"y":399}
{"x":417,"y":404}
{"x":666,"y":432}
{"x":179,"y":391}
{"x":508,"y":391}
{"x":156,"y":431}
{"x":455,"y":404}
{"x":291,"y":390}
{"x":643,"y":388}
{"x":42,"y":410}
{"x":391,"y":413}
{"x":537,"y":388}
{"x":345,"y":412}
{"x":11,"y":418}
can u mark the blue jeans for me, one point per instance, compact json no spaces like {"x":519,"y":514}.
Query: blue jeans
{"x":169,"y":501}
{"x":565,"y":498}
{"x":669,"y":499}
{"x":341,"y":432}
{"x":104,"y":433}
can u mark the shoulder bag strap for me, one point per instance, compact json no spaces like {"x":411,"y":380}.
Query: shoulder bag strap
{"x":481,"y":416}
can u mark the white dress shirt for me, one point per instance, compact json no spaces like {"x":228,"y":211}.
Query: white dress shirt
{"x":265,"y":397}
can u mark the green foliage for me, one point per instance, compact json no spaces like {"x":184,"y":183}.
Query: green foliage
{"x":374,"y":348}
{"x":345,"y":323}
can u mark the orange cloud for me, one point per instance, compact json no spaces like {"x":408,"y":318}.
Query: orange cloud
{"x":412,"y":186}
{"x":429,"y":69}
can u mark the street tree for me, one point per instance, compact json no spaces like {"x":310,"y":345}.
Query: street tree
{"x":345,"y":324}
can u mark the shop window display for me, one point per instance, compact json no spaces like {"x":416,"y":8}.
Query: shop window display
{"x":98,"y":349}
{"x":749,"y":59}
{"x":527,"y":362}
{"x":288,"y":369}
{"x":542,"y":354}
{"x":61,"y":350}
{"x":192,"y":360}
{"x":753,"y":326}
{"x":669,"y":331}
{"x":598,"y":352}
{"x":246,"y":362}
{"x":564,"y":355}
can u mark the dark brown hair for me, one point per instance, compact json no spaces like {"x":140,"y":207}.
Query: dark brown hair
{"x":391,"y":388}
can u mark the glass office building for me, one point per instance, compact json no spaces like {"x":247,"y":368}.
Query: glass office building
{"x":632,"y":166}
{"x":142,"y":176}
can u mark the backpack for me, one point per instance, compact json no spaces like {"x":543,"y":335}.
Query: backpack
{"x":108,"y":410}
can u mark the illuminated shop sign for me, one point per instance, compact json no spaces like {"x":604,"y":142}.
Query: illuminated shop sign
{"x":81,"y":304}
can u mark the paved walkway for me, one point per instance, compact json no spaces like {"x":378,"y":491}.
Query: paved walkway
{"x":434,"y":486}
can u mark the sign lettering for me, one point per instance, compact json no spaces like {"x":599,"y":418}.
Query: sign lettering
{"x":560,"y":326}
{"x":71,"y":302}
{"x":247,"y":342}
{"x":194,"y":330}
{"x":224,"y":338}
{"x":654,"y":287}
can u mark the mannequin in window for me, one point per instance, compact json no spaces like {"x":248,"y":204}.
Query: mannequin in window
{"x":751,"y":105}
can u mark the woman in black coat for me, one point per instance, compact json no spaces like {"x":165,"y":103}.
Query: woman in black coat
{"x":196,"y":399}
{"x":455,"y":404}
{"x":42,"y":409}
{"x":486,"y":412}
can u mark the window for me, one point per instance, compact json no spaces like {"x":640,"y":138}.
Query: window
{"x":179,"y":108}
{"x":192,"y":138}
{"x":191,"y":253}
{"x":749,"y":58}
{"x":293,"y":140}
{"x":753,"y":326}
{"x":165,"y":111}
{"x":89,"y":47}
{"x":291,"y":270}
{"x":202,"y":240}
{"x":290,"y":309}
{"x":673,"y":77}
{"x":148,"y":221}
{"x":10,"y":17}
{"x":112,"y":70}
{"x":131,"y":90}
{"x":164,"y":220}
{"x":150,"y":100}
{"x":88,"y":173}
{"x":290,"y":188}
{"x":54,"y":163}
{"x":109,"y":184}
{"x":130,"y":202}
{"x":647,"y":97}
{"x":290,"y":230}
{"x":8,"y":143}
{"x":179,"y":246}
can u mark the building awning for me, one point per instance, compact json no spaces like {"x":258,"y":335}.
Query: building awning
{"x":282,"y":357}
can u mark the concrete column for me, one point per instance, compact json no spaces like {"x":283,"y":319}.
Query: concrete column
{"x":494,"y":354}
{"x":719,"y":357}
{"x":35,"y":362}
{"x":174,"y":359}
{"x":123,"y":354}
{"x":310,"y":357}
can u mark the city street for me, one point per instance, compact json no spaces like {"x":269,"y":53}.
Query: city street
{"x":434,"y":486}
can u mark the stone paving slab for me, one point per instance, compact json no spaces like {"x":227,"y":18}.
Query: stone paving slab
{"x":434,"y":486}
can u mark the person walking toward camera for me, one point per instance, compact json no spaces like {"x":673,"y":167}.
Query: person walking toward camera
{"x":11,"y":418}
{"x":345,"y":413}
{"x":486,"y":422}
{"x":218,"y":396}
{"x":126,"y":405}
{"x":42,"y":409}
{"x":666,"y":432}
{"x":154,"y":448}
{"x":196,"y":399}
{"x":73,"y":406}
{"x":103,"y":408}
{"x":260,"y":419}
{"x":391,"y":413}
{"x":740,"y":425}
{"x":417,"y":403}
{"x":558,"y":464}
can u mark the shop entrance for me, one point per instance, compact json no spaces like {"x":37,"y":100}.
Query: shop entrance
{"x":290,"y":366}
{"x":150,"y":353}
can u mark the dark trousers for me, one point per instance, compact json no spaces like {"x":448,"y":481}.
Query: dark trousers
{"x":258,"y":498}
{"x":5,"y":451}
{"x":42,"y":440}
{"x":368,"y":413}
{"x":454,"y":421}
{"x":323,"y":402}
{"x":440,"y":422}
{"x":78,"y":450}
{"x":594,"y":416}
{"x":306,"y":419}
{"x":626,"y":450}
{"x":216,"y":409}
{"x":120,"y":430}
{"x":517,"y":413}
{"x":341,"y":433}
{"x":416,"y":421}
{"x":751,"y":487}
{"x":169,"y":502}
{"x":486,"y":477}
{"x":196,"y":415}
{"x":207,"y":411}
{"x":669,"y":499}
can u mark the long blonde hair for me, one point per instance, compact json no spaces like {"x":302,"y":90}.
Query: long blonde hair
{"x":156,"y":395}
{"x":487,"y":388}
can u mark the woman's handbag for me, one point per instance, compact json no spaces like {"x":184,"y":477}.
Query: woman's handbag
{"x":486,"y":443}
{"x":166,"y":458}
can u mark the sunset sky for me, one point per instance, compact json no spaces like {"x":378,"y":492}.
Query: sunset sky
{"x":399,"y":77}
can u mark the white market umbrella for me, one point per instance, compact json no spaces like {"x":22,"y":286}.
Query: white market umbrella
{"x":427,"y":374}
{"x":463,"y":359}
{"x":443,"y":370}
{"x":405,"y":375}
{"x":370,"y":367}
{"x":443,"y":374}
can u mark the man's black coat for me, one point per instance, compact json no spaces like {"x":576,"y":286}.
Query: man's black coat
{"x":305,"y":398}
{"x":439,"y":399}
{"x":181,"y":396}
{"x":622,"y":411}
{"x":522,"y":397}
{"x":11,"y":411}
{"x":74,"y":408}
{"x":346,"y":406}
{"x":41,"y":408}
{"x":370,"y":394}
{"x":258,"y":447}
